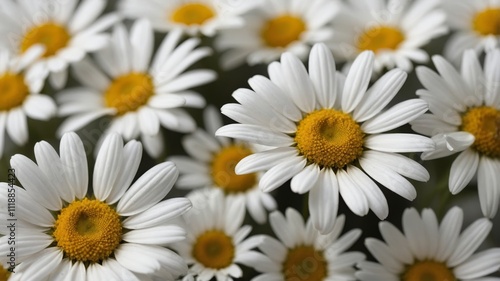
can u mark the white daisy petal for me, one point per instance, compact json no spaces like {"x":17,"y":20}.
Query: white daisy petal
{"x":157,"y":235}
{"x":300,"y":87}
{"x":322,"y":72}
{"x":383,"y":254}
{"x":281,"y":173}
{"x":492,"y":75}
{"x":395,"y":117}
{"x":148,"y":190}
{"x":323,"y":202}
{"x":141,"y":39}
{"x":469,"y":241}
{"x":399,"y":143}
{"x":132,"y":154}
{"x":352,"y":194}
{"x":85,"y":14}
{"x":380,"y":94}
{"x":357,"y":81}
{"x":17,"y":126}
{"x":305,"y":180}
{"x":487,"y":181}
{"x":158,"y":214}
{"x":39,"y":107}
{"x":462,"y":170}
{"x":255,"y":134}
{"x":479,"y":265}
{"x":136,"y":258}
{"x":108,"y":166}
{"x":449,"y":231}
{"x":264,"y":160}
{"x":74,"y":159}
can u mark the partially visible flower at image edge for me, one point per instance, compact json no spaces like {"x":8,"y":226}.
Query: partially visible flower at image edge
{"x":464,"y":118}
{"x":20,"y":97}
{"x":67,"y":30}
{"x":427,"y":250}
{"x":63,"y":230}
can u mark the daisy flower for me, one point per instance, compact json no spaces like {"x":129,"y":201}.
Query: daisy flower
{"x":65,"y":29}
{"x":302,"y":253}
{"x":216,"y":243}
{"x":192,"y":16}
{"x":138,"y":96}
{"x":429,"y":251}
{"x":329,"y":134}
{"x":20,"y":97}
{"x":395,"y":31}
{"x":465,"y":118}
{"x":476,"y":25}
{"x":115,"y":233}
{"x":211,"y":164}
{"x":275,"y":27}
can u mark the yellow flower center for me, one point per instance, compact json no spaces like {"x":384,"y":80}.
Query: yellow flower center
{"x":52,"y":35}
{"x":192,"y":14}
{"x":88,"y":230}
{"x":13,"y":91}
{"x":484,"y":124}
{"x":223,"y":173}
{"x":4,"y":274}
{"x":305,"y":263}
{"x":129,"y":92}
{"x":487,"y":22}
{"x":428,"y":271}
{"x":329,"y":138}
{"x":282,"y":30}
{"x":214,"y":249}
{"x":380,"y":38}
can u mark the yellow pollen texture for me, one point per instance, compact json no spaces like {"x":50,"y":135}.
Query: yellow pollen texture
{"x":4,"y":274}
{"x":487,"y":22}
{"x":282,"y":30}
{"x":380,"y":38}
{"x":214,"y":249}
{"x":13,"y":91}
{"x":53,"y":36}
{"x":129,"y":92}
{"x":88,"y":230}
{"x":329,"y":138}
{"x":484,"y":124}
{"x":223,"y":165}
{"x":306,"y":264}
{"x":428,"y":271}
{"x":192,"y":14}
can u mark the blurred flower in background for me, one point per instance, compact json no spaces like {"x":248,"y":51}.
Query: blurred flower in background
{"x":67,"y":31}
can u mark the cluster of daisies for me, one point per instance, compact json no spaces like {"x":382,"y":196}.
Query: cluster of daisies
{"x":327,"y":121}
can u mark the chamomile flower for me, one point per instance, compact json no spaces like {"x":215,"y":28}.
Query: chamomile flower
{"x":430,"y":251}
{"x":275,"y":27}
{"x":328,"y":134}
{"x":216,"y":243}
{"x":465,"y":118}
{"x":302,"y":253}
{"x":138,"y":96}
{"x":211,"y":165}
{"x":117,"y":233}
{"x":476,"y":25}
{"x":192,"y":16}
{"x":20,"y":97}
{"x":395,"y":31}
{"x":67,"y":30}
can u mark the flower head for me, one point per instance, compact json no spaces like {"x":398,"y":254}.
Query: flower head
{"x":64,"y":230}
{"x":275,"y":27}
{"x":465,"y":119}
{"x":327,"y":133}
{"x":139,"y":96}
{"x":395,"y":31}
{"x":65,"y":30}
